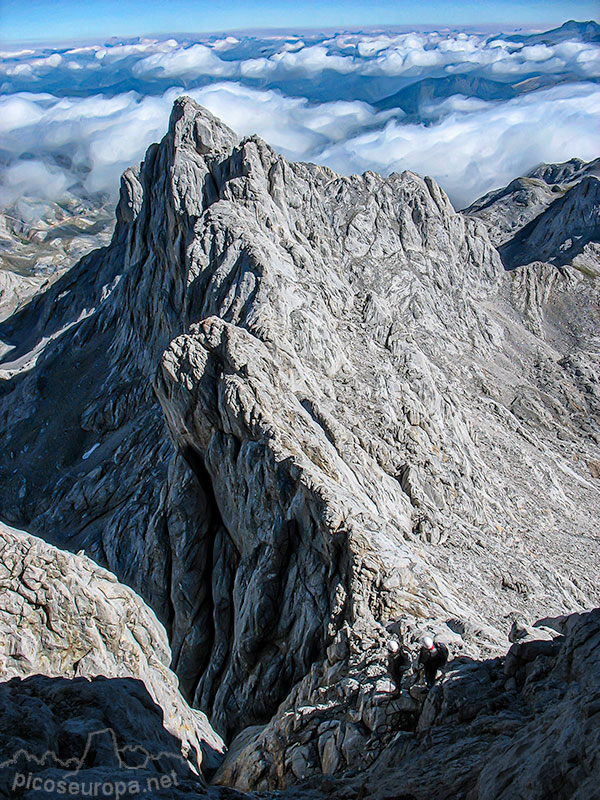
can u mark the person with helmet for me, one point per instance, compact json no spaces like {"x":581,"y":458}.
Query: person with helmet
{"x":398,"y":662}
{"x":432,"y":657}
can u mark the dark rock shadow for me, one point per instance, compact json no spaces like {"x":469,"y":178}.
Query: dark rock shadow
{"x":59,"y":734}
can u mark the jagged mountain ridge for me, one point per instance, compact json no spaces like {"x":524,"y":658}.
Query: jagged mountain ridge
{"x":513,"y":212}
{"x":345,"y":377}
{"x":547,"y":225}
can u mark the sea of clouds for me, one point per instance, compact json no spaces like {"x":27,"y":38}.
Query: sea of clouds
{"x":73,"y":118}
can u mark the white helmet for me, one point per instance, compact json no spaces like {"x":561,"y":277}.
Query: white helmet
{"x":427,"y":642}
{"x":393,"y":646}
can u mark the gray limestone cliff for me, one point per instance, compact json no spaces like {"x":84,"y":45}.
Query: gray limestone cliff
{"x":63,"y":616}
{"x":294,"y":410}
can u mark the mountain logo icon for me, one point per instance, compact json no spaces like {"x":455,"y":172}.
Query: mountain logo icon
{"x":119,"y":771}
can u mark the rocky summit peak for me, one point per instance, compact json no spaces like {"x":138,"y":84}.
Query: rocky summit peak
{"x":297,"y":411}
{"x":192,"y":124}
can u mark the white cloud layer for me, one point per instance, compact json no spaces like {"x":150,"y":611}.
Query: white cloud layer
{"x":480,"y":146}
{"x":392,"y":54}
{"x":74,"y":118}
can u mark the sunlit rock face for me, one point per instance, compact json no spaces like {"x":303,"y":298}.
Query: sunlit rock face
{"x":65,"y":618}
{"x":290,"y":409}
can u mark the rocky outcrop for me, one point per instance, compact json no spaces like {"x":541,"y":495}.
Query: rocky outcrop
{"x":508,"y":210}
{"x":548,"y":225}
{"x":523,"y":726}
{"x":83,"y":736}
{"x":551,"y":216}
{"x":568,"y":228}
{"x":14,"y":290}
{"x":62,"y":616}
{"x":297,"y":409}
{"x":520,"y":725}
{"x":569,"y":172}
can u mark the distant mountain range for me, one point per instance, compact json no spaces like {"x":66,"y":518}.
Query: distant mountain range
{"x":413,"y":99}
{"x":583,"y":31}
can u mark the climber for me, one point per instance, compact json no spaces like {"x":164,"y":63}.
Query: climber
{"x":398,"y":662}
{"x":433,"y":656}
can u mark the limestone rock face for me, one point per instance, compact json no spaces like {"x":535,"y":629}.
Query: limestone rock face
{"x":508,"y":210}
{"x":61,"y":615}
{"x":521,"y":726}
{"x":40,"y":239}
{"x":548,"y":225}
{"x":552,"y":216}
{"x":292,"y":410}
{"x":568,"y":228}
{"x":14,"y":290}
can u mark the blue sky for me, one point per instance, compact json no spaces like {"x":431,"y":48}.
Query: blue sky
{"x":59,"y":20}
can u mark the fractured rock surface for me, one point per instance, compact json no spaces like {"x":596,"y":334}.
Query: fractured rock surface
{"x":527,"y":726}
{"x":63,"y":616}
{"x":73,"y":736}
{"x":290,"y":408}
